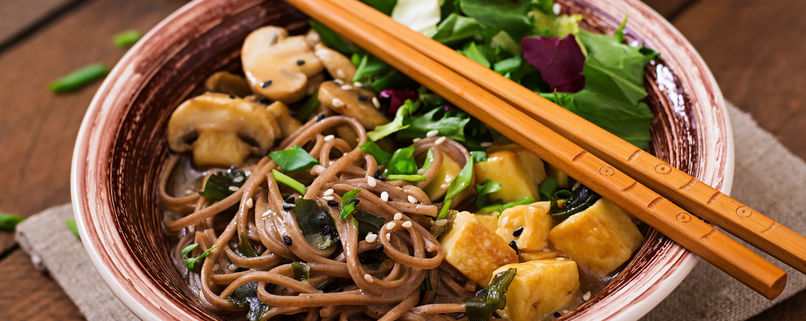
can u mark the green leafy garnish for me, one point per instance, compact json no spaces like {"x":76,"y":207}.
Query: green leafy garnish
{"x":482,"y":306}
{"x":473,"y":52}
{"x":293,"y":159}
{"x":223,"y":184}
{"x":397,"y":124}
{"x":401,"y":162}
{"x":375,"y":73}
{"x":313,"y":222}
{"x":302,"y":271}
{"x":547,"y":188}
{"x":79,"y":78}
{"x":483,"y":190}
{"x":510,"y":16}
{"x":575,"y":202}
{"x":408,"y":178}
{"x":9,"y":221}
{"x":367,"y":223}
{"x":347,"y":203}
{"x":459,"y":183}
{"x":245,"y":296}
{"x":71,"y":225}
{"x":478,"y":155}
{"x":501,"y":207}
{"x":245,"y":248}
{"x":381,"y":156}
{"x":190,"y":262}
{"x":288,"y":181}
{"x":126,"y":38}
{"x":451,"y":125}
{"x":456,"y":28}
{"x":384,"y":6}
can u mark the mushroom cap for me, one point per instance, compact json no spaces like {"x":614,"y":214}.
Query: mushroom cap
{"x":277,"y":66}
{"x":200,"y":122}
{"x":337,"y":65}
{"x":347,"y":102}
{"x":227,"y":83}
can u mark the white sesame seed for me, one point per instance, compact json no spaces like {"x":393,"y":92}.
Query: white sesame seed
{"x":560,"y":259}
{"x":267,"y":213}
{"x":388,"y":236}
{"x":346,"y":87}
{"x":398,"y":216}
{"x":376,"y":102}
{"x":329,"y":138}
{"x":407,"y":224}
{"x":440,"y":140}
{"x":564,"y":311}
{"x":368,"y":278}
{"x":384,"y":196}
{"x":586,"y":296}
{"x":238,"y":179}
{"x":416,"y":140}
{"x":233,"y":188}
{"x":440,"y":222}
{"x":556,"y":8}
{"x":337,"y":103}
{"x":249,"y":203}
{"x":340,"y":73}
{"x":412,"y":199}
{"x":371,"y":181}
{"x":329,"y":191}
{"x":338,"y":82}
{"x":328,"y":197}
{"x":371,"y":237}
{"x":391,"y":226}
{"x":431,"y":133}
{"x":486,"y":144}
{"x":635,"y":43}
{"x":232,"y":267}
{"x":358,"y":84}
{"x":188,"y":191}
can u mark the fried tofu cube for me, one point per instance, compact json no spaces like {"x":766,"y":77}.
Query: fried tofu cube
{"x":504,"y":167}
{"x":532,"y":165}
{"x":600,"y":238}
{"x":535,"y":221}
{"x":490,"y":221}
{"x":474,"y":250}
{"x":534,"y":256}
{"x":561,"y":177}
{"x":540,"y":288}
{"x":447,"y":172}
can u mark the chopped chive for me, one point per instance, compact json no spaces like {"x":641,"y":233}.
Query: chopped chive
{"x":71,"y":224}
{"x":9,"y":221}
{"x":126,"y":38}
{"x":79,"y":78}
{"x":408,"y":178}
{"x":288,"y":181}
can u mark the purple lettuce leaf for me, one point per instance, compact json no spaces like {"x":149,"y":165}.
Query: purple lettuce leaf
{"x":394,"y":98}
{"x":559,"y":60}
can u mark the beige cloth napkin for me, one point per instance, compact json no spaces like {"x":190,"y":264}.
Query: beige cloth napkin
{"x":768,"y":178}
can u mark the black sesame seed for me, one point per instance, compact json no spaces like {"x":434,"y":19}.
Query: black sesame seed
{"x":382,"y":178}
{"x":266,"y":83}
{"x":326,"y":230}
{"x":287,"y":240}
{"x":231,"y":97}
{"x":377,"y":173}
{"x":517,"y":232}
{"x":290,"y":199}
{"x":264,"y":100}
{"x":332,"y":203}
{"x":288,"y":207}
{"x":320,"y":117}
{"x":300,"y":62}
{"x":514,"y":246}
{"x":363,"y":97}
{"x":557,"y":314}
{"x":354,"y":201}
{"x":379,"y":248}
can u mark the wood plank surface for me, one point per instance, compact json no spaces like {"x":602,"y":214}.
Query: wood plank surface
{"x":30,"y":295}
{"x":18,"y":16}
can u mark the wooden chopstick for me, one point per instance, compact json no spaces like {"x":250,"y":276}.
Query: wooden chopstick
{"x":685,"y":190}
{"x":645,"y":204}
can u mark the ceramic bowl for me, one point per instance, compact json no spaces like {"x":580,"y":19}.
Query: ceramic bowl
{"x":121,"y":147}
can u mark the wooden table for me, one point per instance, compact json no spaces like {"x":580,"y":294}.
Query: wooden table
{"x":755,"y":49}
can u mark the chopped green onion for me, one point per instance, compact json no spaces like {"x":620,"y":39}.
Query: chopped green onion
{"x":79,"y":78}
{"x":547,"y":188}
{"x":126,"y":38}
{"x":347,"y":205}
{"x":483,"y":190}
{"x":293,"y":159}
{"x":381,"y":156}
{"x":459,"y":183}
{"x":9,"y":221}
{"x":71,"y":224}
{"x":190,"y":262}
{"x":288,"y":181}
{"x":478,"y":156}
{"x":501,"y":207}
{"x":525,"y":201}
{"x":405,"y":156}
{"x":408,"y":178}
{"x":302,"y":271}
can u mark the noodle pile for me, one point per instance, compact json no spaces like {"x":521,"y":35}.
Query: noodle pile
{"x":413,"y":283}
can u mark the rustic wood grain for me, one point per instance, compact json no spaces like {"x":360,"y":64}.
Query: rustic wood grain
{"x":19,"y":16}
{"x":30,"y":295}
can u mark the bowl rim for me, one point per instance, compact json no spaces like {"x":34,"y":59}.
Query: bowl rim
{"x":97,"y":109}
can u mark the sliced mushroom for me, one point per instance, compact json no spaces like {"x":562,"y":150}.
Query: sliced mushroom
{"x":221,"y":131}
{"x":350,"y":101}
{"x":282,"y":114}
{"x":313,"y":83}
{"x":312,"y":38}
{"x":228,"y":83}
{"x":277,"y":66}
{"x":338,"y":66}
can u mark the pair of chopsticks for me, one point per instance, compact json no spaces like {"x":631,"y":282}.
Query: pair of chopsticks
{"x":593,"y":156}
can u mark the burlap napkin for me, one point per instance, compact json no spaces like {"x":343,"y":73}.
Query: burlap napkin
{"x":768,"y":178}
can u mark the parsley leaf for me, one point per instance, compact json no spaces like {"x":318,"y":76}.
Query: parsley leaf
{"x":293,"y":159}
{"x":223,"y":183}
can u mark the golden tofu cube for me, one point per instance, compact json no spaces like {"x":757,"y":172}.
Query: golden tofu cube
{"x":540,"y":288}
{"x":560,"y":176}
{"x":504,"y":167}
{"x":448,"y":170}
{"x":474,"y":250}
{"x":600,"y":238}
{"x":535,"y":221}
{"x":532,"y":164}
{"x":534,"y":256}
{"x":490,"y":221}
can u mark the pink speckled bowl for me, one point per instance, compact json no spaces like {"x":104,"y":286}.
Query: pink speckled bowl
{"x":121,"y":146}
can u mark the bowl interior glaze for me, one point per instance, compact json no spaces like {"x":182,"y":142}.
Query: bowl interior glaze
{"x":121,"y":147}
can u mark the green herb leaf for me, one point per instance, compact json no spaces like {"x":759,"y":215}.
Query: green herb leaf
{"x":501,"y":207}
{"x":459,"y":183}
{"x":190,"y":262}
{"x":478,"y":155}
{"x":71,"y":224}
{"x":9,"y":221}
{"x":79,"y":78}
{"x":510,"y":16}
{"x":384,"y":6}
{"x":450,"y":124}
{"x":245,"y":296}
{"x":483,"y":190}
{"x":400,"y":161}
{"x":347,"y":204}
{"x":408,"y":178}
{"x":288,"y":181}
{"x":376,"y":151}
{"x":547,"y":188}
{"x":293,"y":159}
{"x":473,"y":52}
{"x":456,"y":28}
{"x":223,"y":183}
{"x":312,"y":221}
{"x":399,"y":123}
{"x":367,"y":223}
{"x":126,"y":38}
{"x":302,"y":271}
{"x":482,"y":306}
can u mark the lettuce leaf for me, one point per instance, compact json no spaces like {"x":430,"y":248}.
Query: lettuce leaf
{"x":451,"y":125}
{"x":456,"y":29}
{"x":509,"y":15}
